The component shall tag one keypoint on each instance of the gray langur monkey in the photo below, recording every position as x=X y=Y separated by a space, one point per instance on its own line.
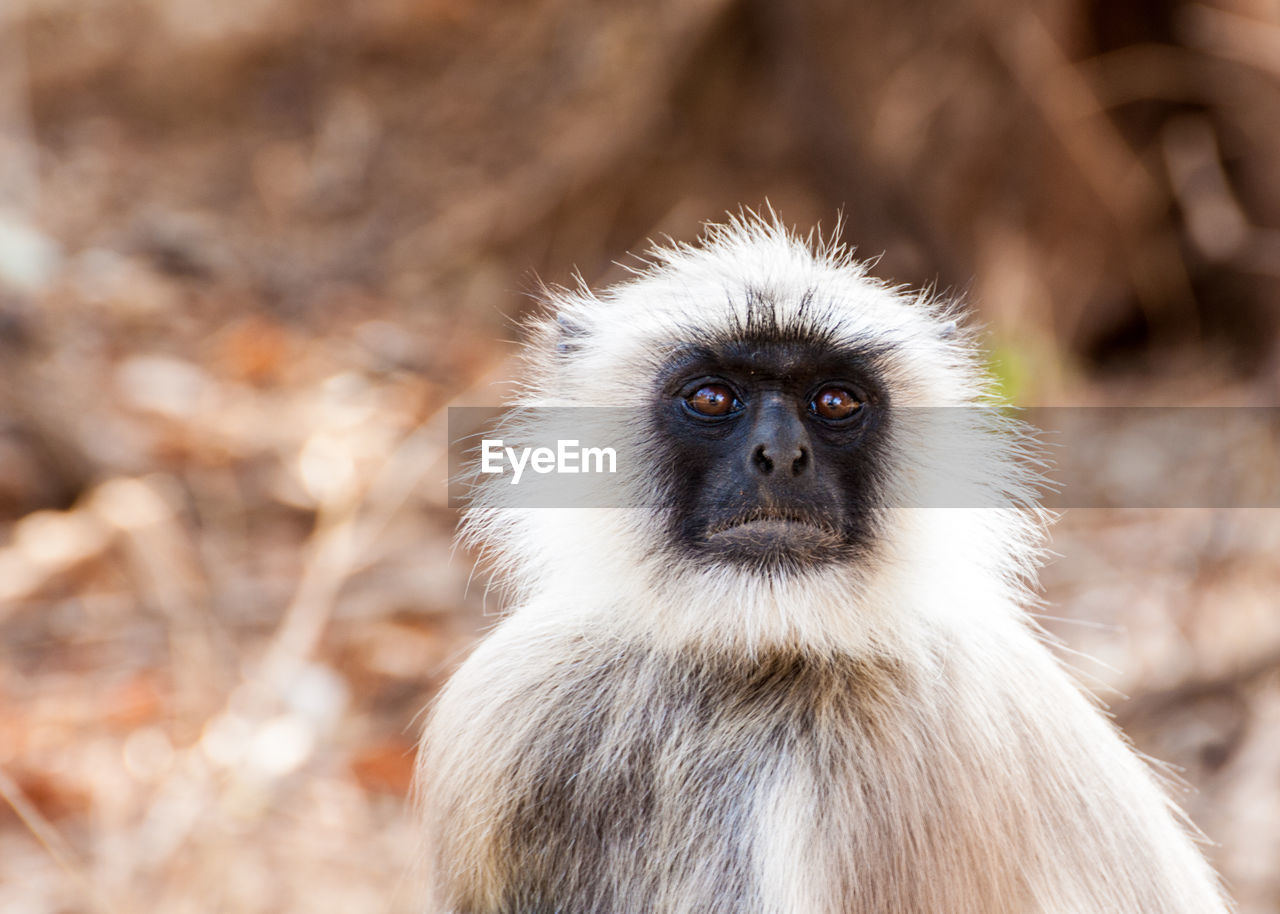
x=775 y=676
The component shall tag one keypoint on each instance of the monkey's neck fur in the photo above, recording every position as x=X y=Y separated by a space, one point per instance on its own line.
x=851 y=611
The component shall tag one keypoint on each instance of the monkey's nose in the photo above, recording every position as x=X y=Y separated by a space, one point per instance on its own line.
x=779 y=443
x=766 y=458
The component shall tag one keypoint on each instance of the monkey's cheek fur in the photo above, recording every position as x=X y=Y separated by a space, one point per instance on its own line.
x=772 y=540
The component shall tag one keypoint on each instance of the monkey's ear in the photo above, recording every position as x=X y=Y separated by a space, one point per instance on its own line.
x=568 y=335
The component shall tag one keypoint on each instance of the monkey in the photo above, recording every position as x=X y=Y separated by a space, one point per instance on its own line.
x=778 y=673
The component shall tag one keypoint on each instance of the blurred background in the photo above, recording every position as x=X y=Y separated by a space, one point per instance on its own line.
x=251 y=250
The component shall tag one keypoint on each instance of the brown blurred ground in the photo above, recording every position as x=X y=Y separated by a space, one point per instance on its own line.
x=250 y=250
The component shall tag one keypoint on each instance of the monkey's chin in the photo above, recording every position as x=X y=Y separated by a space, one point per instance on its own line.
x=774 y=542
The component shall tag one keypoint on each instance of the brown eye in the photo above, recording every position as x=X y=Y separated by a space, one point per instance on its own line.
x=835 y=403
x=712 y=400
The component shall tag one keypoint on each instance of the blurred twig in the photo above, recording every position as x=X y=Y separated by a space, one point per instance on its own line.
x=53 y=842
x=19 y=176
x=578 y=155
x=1244 y=39
x=1155 y=704
x=348 y=528
x=1119 y=180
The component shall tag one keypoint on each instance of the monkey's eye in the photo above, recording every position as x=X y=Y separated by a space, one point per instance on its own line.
x=713 y=400
x=835 y=403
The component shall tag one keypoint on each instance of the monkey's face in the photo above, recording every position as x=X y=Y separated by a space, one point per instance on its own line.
x=779 y=418
x=770 y=452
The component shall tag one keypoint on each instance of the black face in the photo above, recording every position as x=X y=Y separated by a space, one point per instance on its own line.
x=772 y=452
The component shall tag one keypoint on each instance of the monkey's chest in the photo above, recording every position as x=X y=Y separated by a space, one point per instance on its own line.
x=669 y=781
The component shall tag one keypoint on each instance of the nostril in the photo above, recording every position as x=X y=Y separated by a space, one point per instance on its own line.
x=801 y=463
x=763 y=462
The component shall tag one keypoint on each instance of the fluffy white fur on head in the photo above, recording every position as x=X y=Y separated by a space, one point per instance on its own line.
x=960 y=495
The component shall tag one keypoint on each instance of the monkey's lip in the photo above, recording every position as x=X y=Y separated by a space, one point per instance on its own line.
x=773 y=531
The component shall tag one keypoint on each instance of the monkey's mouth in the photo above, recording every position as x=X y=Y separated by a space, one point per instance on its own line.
x=771 y=531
